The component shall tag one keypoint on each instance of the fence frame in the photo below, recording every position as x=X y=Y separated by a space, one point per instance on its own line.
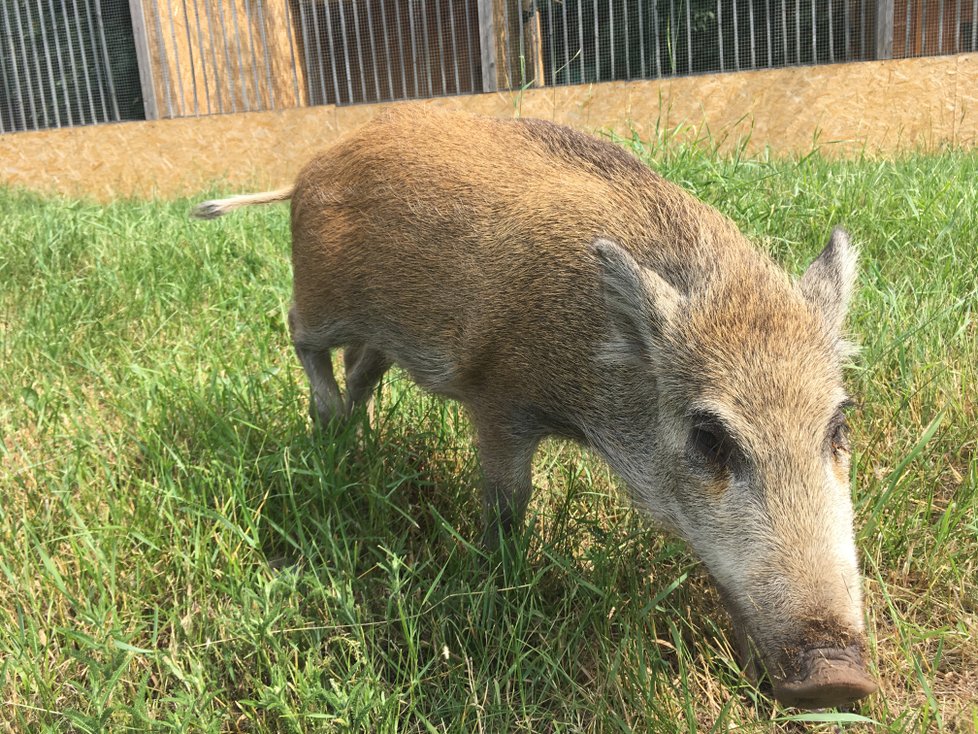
x=883 y=40
x=143 y=59
x=514 y=47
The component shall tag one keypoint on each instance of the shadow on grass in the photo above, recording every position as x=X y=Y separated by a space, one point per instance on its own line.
x=376 y=526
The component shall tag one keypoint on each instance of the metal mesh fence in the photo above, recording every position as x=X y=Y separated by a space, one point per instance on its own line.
x=71 y=62
x=592 y=41
x=395 y=49
x=66 y=62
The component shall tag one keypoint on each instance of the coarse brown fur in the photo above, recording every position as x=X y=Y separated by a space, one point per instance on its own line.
x=555 y=285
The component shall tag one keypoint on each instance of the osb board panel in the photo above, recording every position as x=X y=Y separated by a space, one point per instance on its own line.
x=167 y=157
x=965 y=109
x=873 y=107
x=878 y=107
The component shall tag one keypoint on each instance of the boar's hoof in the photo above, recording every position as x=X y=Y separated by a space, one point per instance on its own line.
x=831 y=681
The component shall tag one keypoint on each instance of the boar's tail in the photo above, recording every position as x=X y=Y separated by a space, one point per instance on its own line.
x=217 y=207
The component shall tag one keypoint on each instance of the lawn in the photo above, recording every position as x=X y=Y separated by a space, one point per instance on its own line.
x=180 y=552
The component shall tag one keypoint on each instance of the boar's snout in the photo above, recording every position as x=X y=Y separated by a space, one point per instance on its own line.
x=827 y=678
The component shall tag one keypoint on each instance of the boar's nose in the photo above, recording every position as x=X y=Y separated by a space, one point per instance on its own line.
x=829 y=678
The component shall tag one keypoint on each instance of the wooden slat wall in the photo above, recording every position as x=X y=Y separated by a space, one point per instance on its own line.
x=201 y=66
x=207 y=56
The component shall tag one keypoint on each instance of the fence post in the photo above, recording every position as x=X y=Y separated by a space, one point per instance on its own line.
x=883 y=40
x=487 y=45
x=533 y=42
x=143 y=59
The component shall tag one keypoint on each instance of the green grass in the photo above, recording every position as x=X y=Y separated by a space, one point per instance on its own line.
x=179 y=552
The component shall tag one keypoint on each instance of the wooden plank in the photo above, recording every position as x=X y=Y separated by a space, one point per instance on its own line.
x=506 y=20
x=487 y=45
x=143 y=59
x=214 y=66
x=884 y=30
x=533 y=42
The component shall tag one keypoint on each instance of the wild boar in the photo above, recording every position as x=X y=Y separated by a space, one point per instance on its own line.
x=556 y=286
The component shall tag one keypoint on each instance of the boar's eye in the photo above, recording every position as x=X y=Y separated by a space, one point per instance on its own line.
x=710 y=442
x=838 y=435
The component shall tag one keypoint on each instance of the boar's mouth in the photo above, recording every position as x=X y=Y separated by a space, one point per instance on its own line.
x=824 y=668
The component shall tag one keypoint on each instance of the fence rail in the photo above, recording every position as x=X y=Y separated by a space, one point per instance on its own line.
x=71 y=62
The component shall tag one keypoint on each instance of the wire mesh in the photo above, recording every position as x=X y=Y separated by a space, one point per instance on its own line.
x=66 y=62
x=603 y=40
x=74 y=62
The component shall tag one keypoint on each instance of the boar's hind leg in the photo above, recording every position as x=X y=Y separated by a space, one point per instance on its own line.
x=364 y=368
x=325 y=401
x=506 y=458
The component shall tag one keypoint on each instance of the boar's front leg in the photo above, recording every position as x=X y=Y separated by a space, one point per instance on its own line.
x=506 y=458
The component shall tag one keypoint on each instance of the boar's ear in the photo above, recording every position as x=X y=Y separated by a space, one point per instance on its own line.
x=640 y=303
x=830 y=279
